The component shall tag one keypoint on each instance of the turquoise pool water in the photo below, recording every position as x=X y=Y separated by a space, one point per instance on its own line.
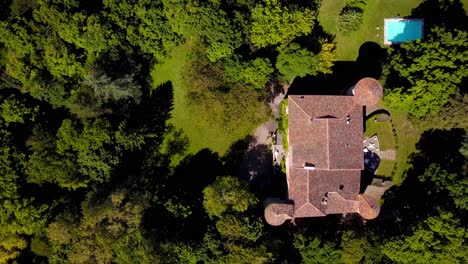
x=400 y=30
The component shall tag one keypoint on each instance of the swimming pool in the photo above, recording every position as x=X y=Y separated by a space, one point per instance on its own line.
x=399 y=30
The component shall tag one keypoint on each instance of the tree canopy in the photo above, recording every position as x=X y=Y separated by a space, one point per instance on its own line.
x=96 y=168
x=430 y=72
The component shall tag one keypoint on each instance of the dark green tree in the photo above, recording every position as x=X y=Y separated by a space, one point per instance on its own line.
x=439 y=239
x=422 y=76
x=274 y=24
x=317 y=251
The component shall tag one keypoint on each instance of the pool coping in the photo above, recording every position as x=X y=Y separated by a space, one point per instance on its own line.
x=386 y=42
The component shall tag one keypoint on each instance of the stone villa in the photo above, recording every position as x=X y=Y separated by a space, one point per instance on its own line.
x=325 y=157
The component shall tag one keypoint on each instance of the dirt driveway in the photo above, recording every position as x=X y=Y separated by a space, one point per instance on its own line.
x=258 y=163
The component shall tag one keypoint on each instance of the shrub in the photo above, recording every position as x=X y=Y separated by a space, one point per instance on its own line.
x=253 y=74
x=350 y=19
x=294 y=61
x=283 y=123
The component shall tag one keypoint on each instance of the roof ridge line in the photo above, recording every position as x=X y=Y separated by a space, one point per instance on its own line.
x=292 y=99
x=352 y=107
x=328 y=145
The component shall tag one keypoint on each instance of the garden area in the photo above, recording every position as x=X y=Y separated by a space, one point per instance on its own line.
x=201 y=130
x=369 y=29
x=383 y=130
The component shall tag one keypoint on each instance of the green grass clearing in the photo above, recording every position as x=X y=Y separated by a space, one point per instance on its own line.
x=383 y=131
x=385 y=168
x=201 y=133
x=386 y=141
x=406 y=138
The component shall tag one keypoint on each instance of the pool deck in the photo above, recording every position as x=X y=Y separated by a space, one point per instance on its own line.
x=386 y=42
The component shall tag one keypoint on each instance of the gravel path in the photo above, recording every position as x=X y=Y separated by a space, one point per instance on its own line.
x=258 y=164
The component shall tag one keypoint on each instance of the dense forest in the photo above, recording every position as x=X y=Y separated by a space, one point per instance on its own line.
x=92 y=171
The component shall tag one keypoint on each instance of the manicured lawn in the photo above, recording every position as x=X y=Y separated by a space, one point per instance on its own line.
x=348 y=45
x=383 y=131
x=405 y=142
x=385 y=168
x=406 y=139
x=201 y=133
x=386 y=141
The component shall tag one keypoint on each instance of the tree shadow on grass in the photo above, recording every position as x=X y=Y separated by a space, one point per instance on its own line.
x=446 y=13
x=414 y=200
x=313 y=41
x=345 y=73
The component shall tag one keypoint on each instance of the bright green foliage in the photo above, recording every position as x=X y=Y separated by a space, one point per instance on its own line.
x=350 y=19
x=439 y=239
x=142 y=23
x=283 y=123
x=227 y=194
x=274 y=24
x=10 y=247
x=228 y=111
x=327 y=57
x=247 y=255
x=254 y=74
x=89 y=32
x=456 y=184
x=236 y=227
x=21 y=57
x=184 y=253
x=207 y=23
x=13 y=110
x=45 y=165
x=351 y=15
x=358 y=249
x=108 y=230
x=316 y=251
x=40 y=246
x=353 y=248
x=59 y=60
x=18 y=215
x=88 y=143
x=134 y=247
x=118 y=89
x=432 y=71
x=294 y=61
x=29 y=66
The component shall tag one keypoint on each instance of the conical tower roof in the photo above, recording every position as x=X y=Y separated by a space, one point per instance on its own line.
x=277 y=211
x=369 y=207
x=368 y=91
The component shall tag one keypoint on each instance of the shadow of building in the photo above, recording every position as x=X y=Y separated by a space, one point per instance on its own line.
x=345 y=73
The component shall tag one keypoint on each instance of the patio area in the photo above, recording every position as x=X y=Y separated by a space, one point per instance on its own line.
x=371 y=153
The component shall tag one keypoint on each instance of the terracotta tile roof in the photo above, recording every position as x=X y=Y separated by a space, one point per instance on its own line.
x=345 y=141
x=368 y=91
x=277 y=211
x=325 y=154
x=309 y=188
x=369 y=207
x=317 y=106
x=327 y=143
